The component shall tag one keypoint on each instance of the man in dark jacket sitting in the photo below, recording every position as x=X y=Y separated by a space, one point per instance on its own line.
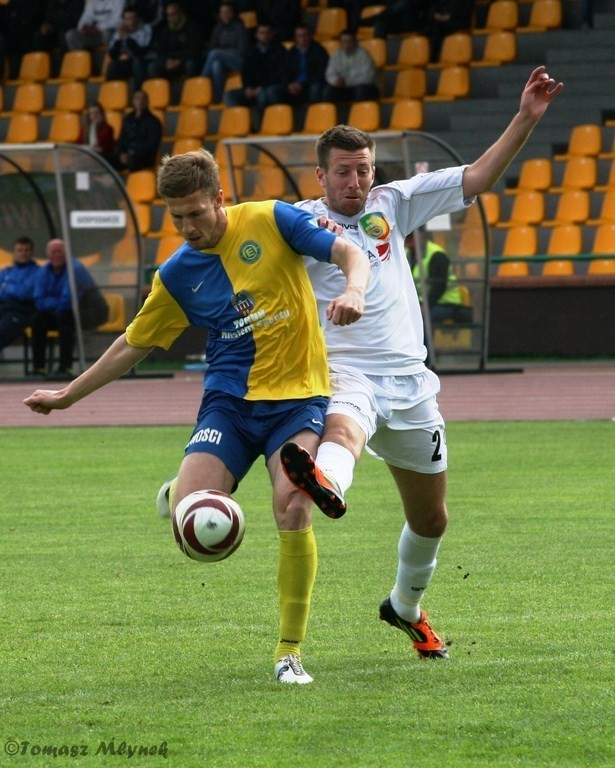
x=139 y=141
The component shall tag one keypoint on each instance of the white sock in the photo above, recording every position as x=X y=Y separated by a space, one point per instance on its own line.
x=417 y=562
x=338 y=462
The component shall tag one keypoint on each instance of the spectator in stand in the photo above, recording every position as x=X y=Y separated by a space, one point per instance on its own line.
x=97 y=25
x=304 y=71
x=151 y=11
x=445 y=18
x=401 y=16
x=228 y=46
x=54 y=308
x=262 y=68
x=61 y=16
x=283 y=15
x=353 y=10
x=128 y=49
x=351 y=72
x=139 y=140
x=20 y=24
x=17 y=291
x=177 y=46
x=98 y=134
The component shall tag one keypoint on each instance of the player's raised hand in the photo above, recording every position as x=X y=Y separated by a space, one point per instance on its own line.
x=539 y=92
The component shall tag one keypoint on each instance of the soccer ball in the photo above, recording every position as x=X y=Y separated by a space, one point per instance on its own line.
x=208 y=525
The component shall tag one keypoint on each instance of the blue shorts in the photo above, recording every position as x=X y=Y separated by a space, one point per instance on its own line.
x=239 y=431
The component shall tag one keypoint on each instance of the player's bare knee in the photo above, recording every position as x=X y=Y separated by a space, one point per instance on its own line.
x=430 y=523
x=295 y=514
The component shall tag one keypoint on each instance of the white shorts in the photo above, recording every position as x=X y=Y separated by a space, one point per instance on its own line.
x=399 y=415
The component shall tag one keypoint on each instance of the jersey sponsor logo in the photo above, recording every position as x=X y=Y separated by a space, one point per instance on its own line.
x=374 y=261
x=250 y=251
x=384 y=251
x=257 y=319
x=375 y=225
x=209 y=435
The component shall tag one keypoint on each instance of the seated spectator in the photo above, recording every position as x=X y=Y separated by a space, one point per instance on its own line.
x=304 y=71
x=61 y=15
x=17 y=291
x=351 y=72
x=98 y=134
x=20 y=23
x=151 y=11
x=128 y=48
x=97 y=25
x=262 y=68
x=54 y=308
x=177 y=46
x=283 y=15
x=227 y=49
x=139 y=140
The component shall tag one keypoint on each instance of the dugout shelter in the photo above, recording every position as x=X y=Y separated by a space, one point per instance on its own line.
x=68 y=191
x=258 y=168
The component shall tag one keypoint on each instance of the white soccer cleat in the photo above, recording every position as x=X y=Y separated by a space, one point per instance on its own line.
x=290 y=670
x=162 y=500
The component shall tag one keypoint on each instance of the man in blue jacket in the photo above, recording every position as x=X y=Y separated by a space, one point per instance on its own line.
x=17 y=291
x=54 y=308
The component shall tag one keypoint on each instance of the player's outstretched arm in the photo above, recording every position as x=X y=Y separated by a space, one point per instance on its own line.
x=539 y=92
x=348 y=307
x=117 y=360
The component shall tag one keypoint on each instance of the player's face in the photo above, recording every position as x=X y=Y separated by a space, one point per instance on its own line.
x=347 y=180
x=198 y=218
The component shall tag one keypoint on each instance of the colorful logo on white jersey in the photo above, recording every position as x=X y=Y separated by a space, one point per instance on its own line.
x=375 y=225
x=249 y=252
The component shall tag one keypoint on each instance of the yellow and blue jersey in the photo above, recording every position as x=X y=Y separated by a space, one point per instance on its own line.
x=252 y=292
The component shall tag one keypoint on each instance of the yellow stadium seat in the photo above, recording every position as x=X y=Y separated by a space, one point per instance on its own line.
x=22 y=128
x=536 y=174
x=558 y=268
x=513 y=269
x=330 y=23
x=65 y=128
x=579 y=173
x=500 y=48
x=71 y=97
x=141 y=186
x=406 y=115
x=195 y=92
x=544 y=15
x=453 y=83
x=191 y=123
x=377 y=49
x=277 y=120
x=158 y=90
x=585 y=140
x=604 y=240
x=76 y=65
x=167 y=246
x=520 y=241
x=565 y=240
x=307 y=182
x=185 y=144
x=607 y=210
x=491 y=206
x=527 y=208
x=29 y=97
x=414 y=51
x=365 y=115
x=572 y=208
x=409 y=83
x=113 y=94
x=456 y=50
x=319 y=117
x=35 y=67
x=116 y=322
x=601 y=267
x=502 y=15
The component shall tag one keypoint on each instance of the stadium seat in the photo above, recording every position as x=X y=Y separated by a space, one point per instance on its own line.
x=158 y=90
x=377 y=49
x=520 y=241
x=606 y=214
x=502 y=15
x=166 y=226
x=191 y=123
x=453 y=83
x=527 y=208
x=115 y=119
x=75 y=65
x=604 y=240
x=113 y=94
x=406 y=115
x=330 y=23
x=29 y=97
x=565 y=240
x=307 y=182
x=491 y=207
x=601 y=267
x=71 y=97
x=366 y=31
x=609 y=182
x=365 y=115
x=65 y=128
x=544 y=15
x=143 y=212
x=558 y=268
x=572 y=208
x=536 y=174
x=579 y=173
x=141 y=186
x=167 y=246
x=414 y=51
x=195 y=92
x=185 y=144
x=35 y=67
x=22 y=129
x=585 y=140
x=500 y=48
x=319 y=117
x=116 y=322
x=456 y=50
x=268 y=183
x=513 y=269
x=277 y=120
x=409 y=83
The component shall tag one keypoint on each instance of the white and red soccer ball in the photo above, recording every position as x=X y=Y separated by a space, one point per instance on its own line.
x=208 y=525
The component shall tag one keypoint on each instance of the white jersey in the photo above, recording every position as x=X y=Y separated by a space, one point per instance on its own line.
x=388 y=339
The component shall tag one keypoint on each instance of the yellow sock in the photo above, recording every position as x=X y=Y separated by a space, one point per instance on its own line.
x=296 y=576
x=172 y=488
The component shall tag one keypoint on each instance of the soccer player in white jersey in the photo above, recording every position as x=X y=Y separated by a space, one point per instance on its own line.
x=383 y=394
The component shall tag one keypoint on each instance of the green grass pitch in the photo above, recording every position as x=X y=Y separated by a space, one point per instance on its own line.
x=112 y=640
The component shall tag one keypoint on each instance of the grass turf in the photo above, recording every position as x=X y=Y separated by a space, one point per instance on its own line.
x=111 y=635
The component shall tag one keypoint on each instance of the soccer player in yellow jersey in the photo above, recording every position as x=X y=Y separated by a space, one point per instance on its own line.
x=241 y=275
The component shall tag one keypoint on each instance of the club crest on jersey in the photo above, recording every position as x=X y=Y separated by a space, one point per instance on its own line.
x=375 y=225
x=249 y=252
x=243 y=302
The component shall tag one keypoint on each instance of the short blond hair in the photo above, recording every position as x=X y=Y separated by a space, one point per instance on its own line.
x=181 y=175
